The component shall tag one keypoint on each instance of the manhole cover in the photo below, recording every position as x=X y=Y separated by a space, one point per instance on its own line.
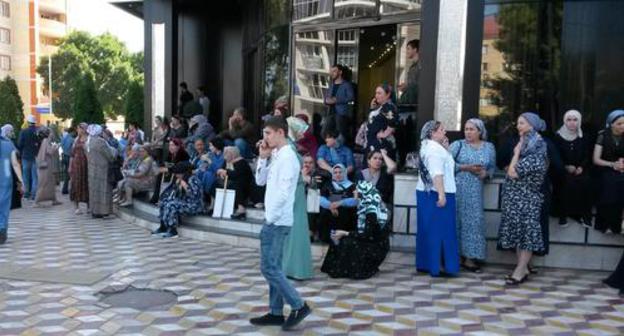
x=140 y=298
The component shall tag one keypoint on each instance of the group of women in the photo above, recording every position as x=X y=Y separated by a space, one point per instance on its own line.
x=451 y=227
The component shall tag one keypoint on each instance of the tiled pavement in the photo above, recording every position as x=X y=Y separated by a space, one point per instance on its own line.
x=220 y=287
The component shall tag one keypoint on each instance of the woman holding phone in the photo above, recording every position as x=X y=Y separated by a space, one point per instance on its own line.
x=475 y=160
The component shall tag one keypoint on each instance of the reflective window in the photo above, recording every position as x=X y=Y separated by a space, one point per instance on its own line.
x=276 y=64
x=396 y=6
x=408 y=67
x=550 y=56
x=347 y=53
x=311 y=10
x=355 y=8
x=313 y=57
x=276 y=13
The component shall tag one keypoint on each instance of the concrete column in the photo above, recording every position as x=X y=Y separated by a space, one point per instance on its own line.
x=450 y=62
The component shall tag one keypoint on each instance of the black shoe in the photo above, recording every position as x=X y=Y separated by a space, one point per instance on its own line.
x=587 y=221
x=171 y=233
x=563 y=222
x=97 y=216
x=296 y=316
x=3 y=236
x=239 y=216
x=161 y=229
x=267 y=320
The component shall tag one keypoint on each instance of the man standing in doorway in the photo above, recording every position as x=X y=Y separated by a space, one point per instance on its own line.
x=278 y=168
x=339 y=95
x=28 y=145
x=409 y=89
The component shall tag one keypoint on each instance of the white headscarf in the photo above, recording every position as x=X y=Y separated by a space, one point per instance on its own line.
x=94 y=130
x=6 y=130
x=565 y=132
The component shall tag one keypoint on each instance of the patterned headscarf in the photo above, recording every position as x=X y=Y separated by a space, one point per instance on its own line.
x=94 y=130
x=370 y=202
x=533 y=141
x=425 y=134
x=427 y=129
x=478 y=123
x=613 y=116
x=6 y=131
x=565 y=132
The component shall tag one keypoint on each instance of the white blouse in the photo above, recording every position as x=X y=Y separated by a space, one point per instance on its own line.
x=438 y=161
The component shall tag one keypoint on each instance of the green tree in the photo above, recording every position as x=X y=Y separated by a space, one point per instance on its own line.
x=11 y=105
x=133 y=106
x=104 y=56
x=86 y=106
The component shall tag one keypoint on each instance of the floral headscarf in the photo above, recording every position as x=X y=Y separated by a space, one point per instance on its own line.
x=370 y=202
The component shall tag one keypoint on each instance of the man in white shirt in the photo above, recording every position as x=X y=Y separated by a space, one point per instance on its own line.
x=278 y=168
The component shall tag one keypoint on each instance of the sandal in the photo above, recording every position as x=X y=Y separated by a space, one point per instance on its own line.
x=473 y=269
x=511 y=281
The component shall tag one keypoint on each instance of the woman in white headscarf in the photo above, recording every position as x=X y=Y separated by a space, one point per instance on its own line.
x=99 y=156
x=571 y=192
x=46 y=188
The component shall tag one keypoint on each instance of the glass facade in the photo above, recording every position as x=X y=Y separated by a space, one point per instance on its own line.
x=551 y=56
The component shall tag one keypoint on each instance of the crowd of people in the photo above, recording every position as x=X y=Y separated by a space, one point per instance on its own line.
x=185 y=160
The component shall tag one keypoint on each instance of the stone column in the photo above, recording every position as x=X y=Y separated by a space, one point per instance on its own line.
x=450 y=63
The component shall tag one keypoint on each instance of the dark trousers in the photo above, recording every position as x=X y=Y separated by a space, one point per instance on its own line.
x=65 y=163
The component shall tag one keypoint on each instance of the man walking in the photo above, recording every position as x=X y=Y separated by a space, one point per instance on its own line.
x=28 y=145
x=278 y=169
x=339 y=95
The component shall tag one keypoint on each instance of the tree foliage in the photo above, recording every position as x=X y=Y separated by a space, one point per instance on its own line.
x=105 y=57
x=133 y=107
x=11 y=105
x=86 y=106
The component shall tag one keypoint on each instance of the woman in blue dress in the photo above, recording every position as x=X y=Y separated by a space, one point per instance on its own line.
x=475 y=160
x=8 y=161
x=436 y=236
x=523 y=197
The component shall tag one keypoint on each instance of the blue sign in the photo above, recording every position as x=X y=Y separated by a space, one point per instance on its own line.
x=42 y=110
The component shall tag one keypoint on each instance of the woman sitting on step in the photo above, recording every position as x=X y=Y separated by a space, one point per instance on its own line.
x=182 y=198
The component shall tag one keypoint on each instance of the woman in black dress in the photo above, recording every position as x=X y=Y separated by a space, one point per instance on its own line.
x=571 y=192
x=337 y=204
x=240 y=179
x=609 y=157
x=357 y=254
x=382 y=122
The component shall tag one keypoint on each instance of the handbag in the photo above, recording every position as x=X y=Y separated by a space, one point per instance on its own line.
x=224 y=201
x=313 y=200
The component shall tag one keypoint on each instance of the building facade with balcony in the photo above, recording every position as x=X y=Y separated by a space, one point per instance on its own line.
x=29 y=30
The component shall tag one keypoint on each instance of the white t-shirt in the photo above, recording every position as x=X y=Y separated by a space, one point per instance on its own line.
x=438 y=161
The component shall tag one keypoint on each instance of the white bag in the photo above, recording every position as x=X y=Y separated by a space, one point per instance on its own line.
x=224 y=202
x=314 y=200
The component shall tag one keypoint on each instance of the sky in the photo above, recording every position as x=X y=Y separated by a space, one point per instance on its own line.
x=98 y=17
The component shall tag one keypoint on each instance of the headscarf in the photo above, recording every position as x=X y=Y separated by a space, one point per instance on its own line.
x=296 y=128
x=534 y=120
x=197 y=120
x=370 y=202
x=94 y=130
x=427 y=130
x=565 y=132
x=6 y=130
x=344 y=183
x=480 y=125
x=613 y=116
x=533 y=141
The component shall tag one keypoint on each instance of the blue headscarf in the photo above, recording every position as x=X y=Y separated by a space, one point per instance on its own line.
x=533 y=141
x=344 y=183
x=613 y=116
x=478 y=123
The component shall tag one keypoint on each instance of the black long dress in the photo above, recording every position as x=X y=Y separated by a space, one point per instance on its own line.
x=358 y=255
x=610 y=202
x=616 y=279
x=572 y=193
x=347 y=217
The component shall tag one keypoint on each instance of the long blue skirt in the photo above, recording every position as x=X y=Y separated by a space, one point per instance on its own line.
x=436 y=238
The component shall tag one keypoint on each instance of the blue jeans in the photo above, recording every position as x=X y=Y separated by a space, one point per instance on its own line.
x=272 y=239
x=29 y=172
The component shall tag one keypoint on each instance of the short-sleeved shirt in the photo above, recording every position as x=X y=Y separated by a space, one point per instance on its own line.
x=612 y=146
x=336 y=155
x=438 y=161
x=6 y=148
